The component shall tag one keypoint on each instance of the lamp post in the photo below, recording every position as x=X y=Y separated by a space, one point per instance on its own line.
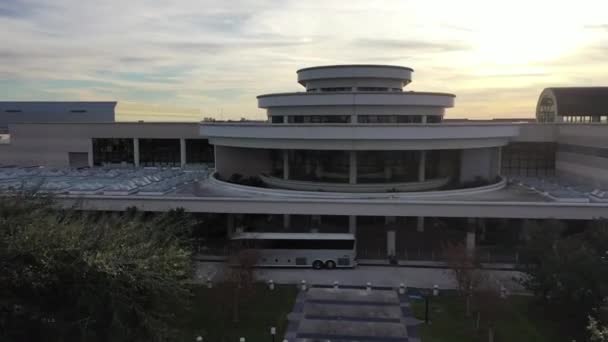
x=428 y=294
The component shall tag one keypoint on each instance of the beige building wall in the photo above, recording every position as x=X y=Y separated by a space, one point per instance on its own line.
x=51 y=144
x=589 y=160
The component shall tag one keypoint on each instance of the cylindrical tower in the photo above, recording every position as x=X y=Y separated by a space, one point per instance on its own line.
x=356 y=94
x=356 y=130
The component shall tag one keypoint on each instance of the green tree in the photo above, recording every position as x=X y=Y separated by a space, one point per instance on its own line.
x=597 y=333
x=568 y=271
x=74 y=276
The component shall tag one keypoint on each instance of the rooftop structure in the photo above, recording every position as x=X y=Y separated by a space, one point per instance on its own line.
x=13 y=112
x=573 y=104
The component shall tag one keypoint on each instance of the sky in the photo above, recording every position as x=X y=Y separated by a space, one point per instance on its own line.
x=183 y=60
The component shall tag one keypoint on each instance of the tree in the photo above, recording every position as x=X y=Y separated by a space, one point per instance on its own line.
x=239 y=278
x=489 y=305
x=568 y=271
x=597 y=333
x=70 y=275
x=465 y=271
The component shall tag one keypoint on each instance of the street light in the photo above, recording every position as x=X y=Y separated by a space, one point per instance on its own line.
x=427 y=294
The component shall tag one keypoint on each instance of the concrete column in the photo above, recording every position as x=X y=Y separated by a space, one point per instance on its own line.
x=318 y=170
x=353 y=119
x=424 y=119
x=229 y=225
x=352 y=168
x=136 y=152
x=352 y=224
x=390 y=242
x=499 y=161
x=388 y=172
x=420 y=224
x=422 y=167
x=285 y=119
x=286 y=221
x=470 y=238
x=316 y=220
x=182 y=152
x=90 y=155
x=285 y=164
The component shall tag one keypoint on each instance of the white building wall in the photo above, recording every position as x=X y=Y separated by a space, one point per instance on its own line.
x=354 y=82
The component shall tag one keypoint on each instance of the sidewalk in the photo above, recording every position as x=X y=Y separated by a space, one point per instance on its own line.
x=387 y=276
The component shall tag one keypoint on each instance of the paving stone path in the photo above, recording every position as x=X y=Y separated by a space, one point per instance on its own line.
x=351 y=313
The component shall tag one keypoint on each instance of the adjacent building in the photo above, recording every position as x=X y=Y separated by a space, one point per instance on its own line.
x=356 y=151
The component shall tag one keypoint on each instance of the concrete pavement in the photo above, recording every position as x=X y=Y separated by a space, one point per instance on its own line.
x=385 y=276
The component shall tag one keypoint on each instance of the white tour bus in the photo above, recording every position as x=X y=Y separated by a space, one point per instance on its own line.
x=316 y=250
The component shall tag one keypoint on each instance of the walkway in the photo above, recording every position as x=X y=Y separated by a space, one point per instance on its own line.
x=352 y=314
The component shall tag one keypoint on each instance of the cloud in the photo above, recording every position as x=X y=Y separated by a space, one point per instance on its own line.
x=215 y=55
x=416 y=46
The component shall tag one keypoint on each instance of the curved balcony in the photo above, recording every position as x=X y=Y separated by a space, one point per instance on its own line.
x=359 y=136
x=356 y=99
x=275 y=182
x=290 y=194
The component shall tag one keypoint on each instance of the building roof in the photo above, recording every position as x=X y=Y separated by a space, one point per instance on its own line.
x=581 y=100
x=356 y=66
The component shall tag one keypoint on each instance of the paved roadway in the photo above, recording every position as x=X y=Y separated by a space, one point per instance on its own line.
x=377 y=275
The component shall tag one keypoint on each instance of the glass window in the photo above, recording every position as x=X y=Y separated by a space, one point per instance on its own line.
x=114 y=151
x=159 y=152
x=199 y=151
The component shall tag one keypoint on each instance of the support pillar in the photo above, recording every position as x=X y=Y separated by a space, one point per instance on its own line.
x=136 y=152
x=390 y=242
x=90 y=155
x=286 y=221
x=420 y=224
x=352 y=224
x=499 y=161
x=318 y=170
x=285 y=119
x=352 y=168
x=285 y=164
x=422 y=167
x=353 y=119
x=388 y=171
x=182 y=152
x=423 y=119
x=470 y=238
x=229 y=225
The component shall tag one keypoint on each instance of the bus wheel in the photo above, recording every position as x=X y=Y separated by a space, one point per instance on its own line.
x=330 y=264
x=317 y=264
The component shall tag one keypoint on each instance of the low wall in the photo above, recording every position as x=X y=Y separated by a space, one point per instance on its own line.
x=252 y=190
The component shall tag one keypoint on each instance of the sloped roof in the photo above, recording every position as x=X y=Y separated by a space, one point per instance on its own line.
x=581 y=100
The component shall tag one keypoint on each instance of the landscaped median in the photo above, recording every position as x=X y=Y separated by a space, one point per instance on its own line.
x=211 y=314
x=517 y=318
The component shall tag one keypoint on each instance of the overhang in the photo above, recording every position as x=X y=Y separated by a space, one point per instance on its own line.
x=359 y=136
